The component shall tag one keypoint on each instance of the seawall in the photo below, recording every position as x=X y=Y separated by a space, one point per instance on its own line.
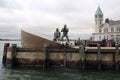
x=81 y=57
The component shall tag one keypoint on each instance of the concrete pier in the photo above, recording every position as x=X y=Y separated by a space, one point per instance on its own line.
x=81 y=57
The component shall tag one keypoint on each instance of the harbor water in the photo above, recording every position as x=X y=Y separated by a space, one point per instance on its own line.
x=52 y=74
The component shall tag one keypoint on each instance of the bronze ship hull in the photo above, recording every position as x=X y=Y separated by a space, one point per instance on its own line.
x=32 y=41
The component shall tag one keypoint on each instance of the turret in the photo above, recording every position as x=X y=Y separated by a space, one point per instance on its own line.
x=98 y=19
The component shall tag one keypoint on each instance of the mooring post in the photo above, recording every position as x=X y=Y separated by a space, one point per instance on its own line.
x=65 y=57
x=116 y=57
x=82 y=57
x=14 y=61
x=6 y=45
x=99 y=57
x=80 y=61
x=46 y=52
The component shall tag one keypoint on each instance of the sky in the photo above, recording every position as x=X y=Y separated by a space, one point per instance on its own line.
x=42 y=17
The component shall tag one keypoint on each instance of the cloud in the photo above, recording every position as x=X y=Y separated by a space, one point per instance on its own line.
x=44 y=16
x=11 y=4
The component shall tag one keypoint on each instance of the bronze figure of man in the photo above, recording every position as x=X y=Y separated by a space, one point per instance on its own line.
x=57 y=35
x=65 y=31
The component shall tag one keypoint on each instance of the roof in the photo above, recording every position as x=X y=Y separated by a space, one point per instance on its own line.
x=112 y=22
x=99 y=11
x=102 y=25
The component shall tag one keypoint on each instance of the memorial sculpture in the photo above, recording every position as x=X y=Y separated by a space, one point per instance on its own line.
x=65 y=31
x=57 y=35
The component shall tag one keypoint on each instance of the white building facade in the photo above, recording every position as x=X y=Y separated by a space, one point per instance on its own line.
x=109 y=29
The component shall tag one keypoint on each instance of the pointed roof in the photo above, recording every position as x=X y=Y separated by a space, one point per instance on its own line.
x=99 y=11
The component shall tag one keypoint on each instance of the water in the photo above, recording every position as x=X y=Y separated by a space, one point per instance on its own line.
x=39 y=74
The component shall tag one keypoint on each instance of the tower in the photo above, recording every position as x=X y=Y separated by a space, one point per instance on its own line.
x=98 y=19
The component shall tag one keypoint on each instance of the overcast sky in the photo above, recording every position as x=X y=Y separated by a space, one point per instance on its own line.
x=42 y=17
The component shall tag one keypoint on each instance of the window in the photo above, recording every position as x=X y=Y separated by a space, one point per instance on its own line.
x=118 y=29
x=105 y=29
x=93 y=38
x=104 y=37
x=118 y=38
x=95 y=16
x=99 y=37
x=112 y=29
x=100 y=16
x=100 y=30
x=112 y=37
x=100 y=22
x=107 y=37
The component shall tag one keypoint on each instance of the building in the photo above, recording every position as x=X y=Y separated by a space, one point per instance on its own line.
x=108 y=29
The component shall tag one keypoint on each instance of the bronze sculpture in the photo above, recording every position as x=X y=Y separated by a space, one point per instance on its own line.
x=65 y=31
x=57 y=35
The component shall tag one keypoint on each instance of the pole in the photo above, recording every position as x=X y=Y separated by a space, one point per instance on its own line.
x=82 y=57
x=116 y=57
x=65 y=57
x=6 y=45
x=14 y=61
x=99 y=57
x=46 y=52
